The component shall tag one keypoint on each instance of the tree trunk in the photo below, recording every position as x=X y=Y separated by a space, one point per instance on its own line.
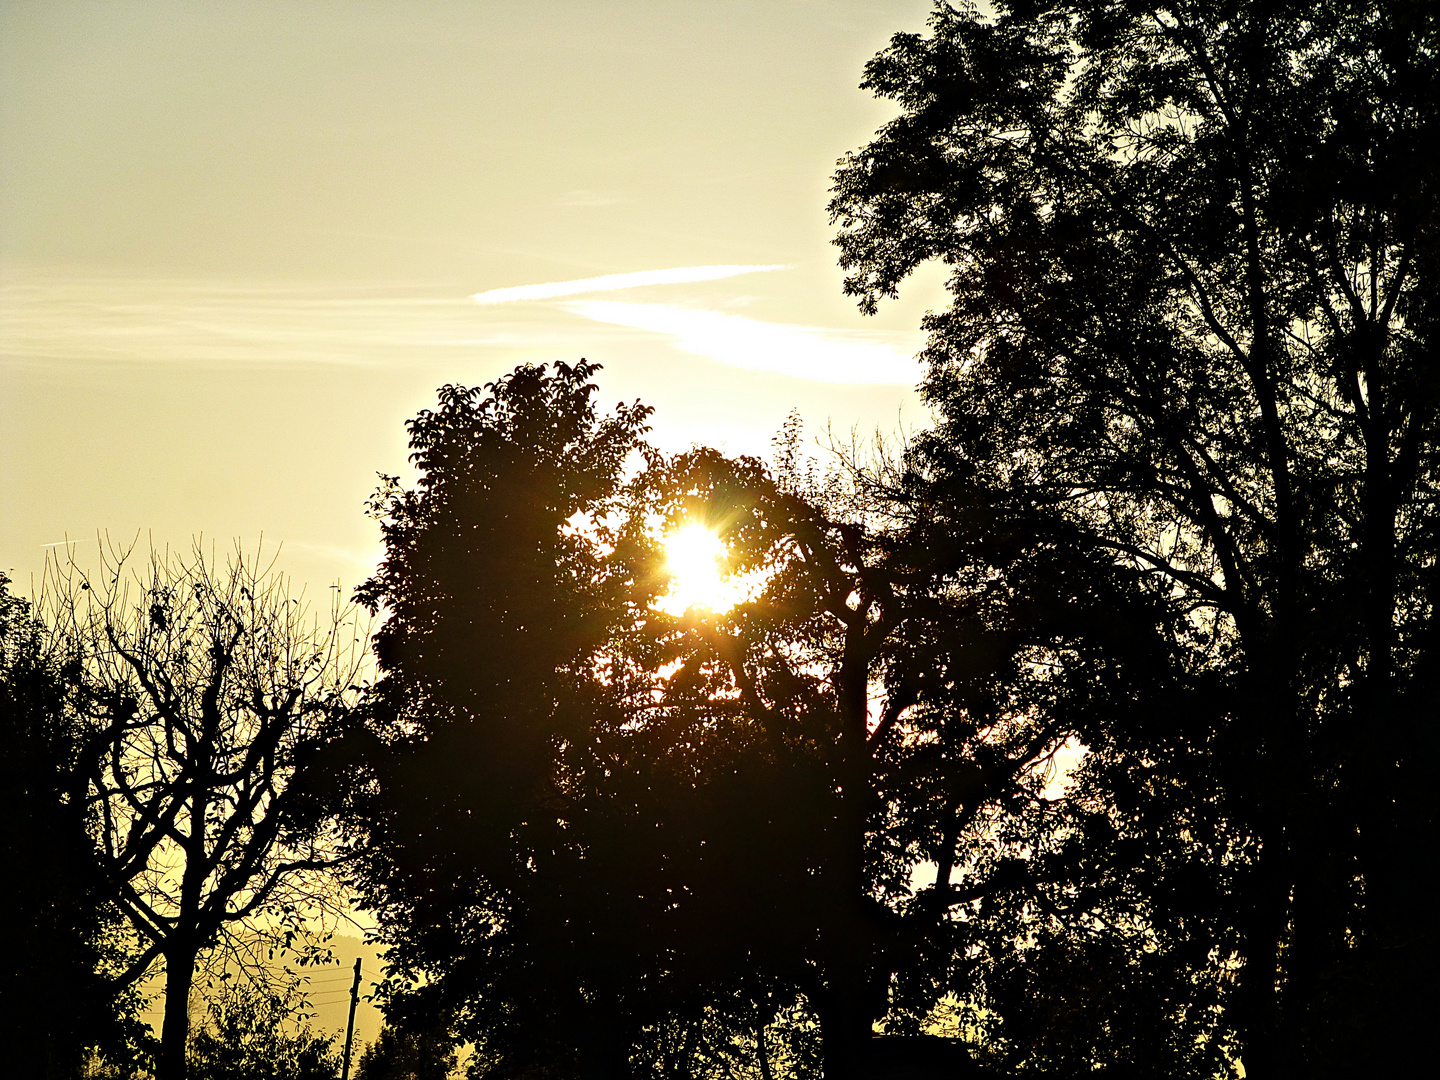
x=843 y=1031
x=763 y=1054
x=175 y=1034
x=1265 y=918
x=847 y=1019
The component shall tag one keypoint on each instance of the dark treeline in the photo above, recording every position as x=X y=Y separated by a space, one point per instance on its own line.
x=1175 y=525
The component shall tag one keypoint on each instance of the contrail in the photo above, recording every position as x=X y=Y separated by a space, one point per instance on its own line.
x=675 y=276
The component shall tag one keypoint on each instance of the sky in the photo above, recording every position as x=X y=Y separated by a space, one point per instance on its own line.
x=242 y=242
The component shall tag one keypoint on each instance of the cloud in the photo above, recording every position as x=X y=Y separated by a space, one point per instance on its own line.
x=678 y=275
x=801 y=352
x=50 y=318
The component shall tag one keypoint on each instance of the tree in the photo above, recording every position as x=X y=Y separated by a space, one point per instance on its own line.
x=245 y=1037
x=619 y=839
x=535 y=830
x=902 y=692
x=1193 y=254
x=206 y=690
x=401 y=1054
x=505 y=573
x=57 y=998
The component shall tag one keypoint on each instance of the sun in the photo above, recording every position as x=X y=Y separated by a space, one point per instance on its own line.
x=693 y=556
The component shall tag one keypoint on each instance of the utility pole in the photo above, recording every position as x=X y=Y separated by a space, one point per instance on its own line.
x=350 y=1027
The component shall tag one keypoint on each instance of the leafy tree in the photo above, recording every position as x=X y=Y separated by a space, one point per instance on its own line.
x=249 y=1033
x=206 y=689
x=505 y=573
x=618 y=839
x=535 y=836
x=1192 y=254
x=406 y=1054
x=57 y=998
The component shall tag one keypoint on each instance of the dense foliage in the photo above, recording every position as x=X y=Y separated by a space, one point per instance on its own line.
x=250 y=1032
x=487 y=723
x=618 y=837
x=59 y=1000
x=565 y=827
x=400 y=1054
x=1192 y=254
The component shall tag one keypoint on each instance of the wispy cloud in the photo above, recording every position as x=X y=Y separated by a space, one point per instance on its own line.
x=678 y=275
x=802 y=352
x=50 y=319
x=55 y=318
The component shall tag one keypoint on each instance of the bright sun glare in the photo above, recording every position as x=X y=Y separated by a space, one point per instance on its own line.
x=692 y=558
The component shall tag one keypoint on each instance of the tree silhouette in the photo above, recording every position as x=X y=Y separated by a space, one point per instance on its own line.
x=507 y=570
x=205 y=690
x=913 y=664
x=616 y=839
x=250 y=1031
x=398 y=1054
x=575 y=833
x=57 y=997
x=1192 y=255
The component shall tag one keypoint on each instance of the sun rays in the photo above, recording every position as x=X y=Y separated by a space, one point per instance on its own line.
x=695 y=561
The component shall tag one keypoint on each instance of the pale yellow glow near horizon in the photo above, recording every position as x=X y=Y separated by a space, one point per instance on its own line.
x=678 y=275
x=693 y=557
x=801 y=352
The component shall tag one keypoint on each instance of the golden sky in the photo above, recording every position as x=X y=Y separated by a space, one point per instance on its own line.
x=242 y=242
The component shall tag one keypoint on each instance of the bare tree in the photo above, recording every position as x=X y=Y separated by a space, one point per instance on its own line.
x=209 y=687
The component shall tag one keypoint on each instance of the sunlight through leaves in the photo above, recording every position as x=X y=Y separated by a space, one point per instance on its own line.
x=694 y=559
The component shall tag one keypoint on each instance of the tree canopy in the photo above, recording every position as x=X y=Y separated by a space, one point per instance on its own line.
x=574 y=822
x=204 y=691
x=505 y=576
x=59 y=997
x=1192 y=256
x=249 y=1032
x=687 y=841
